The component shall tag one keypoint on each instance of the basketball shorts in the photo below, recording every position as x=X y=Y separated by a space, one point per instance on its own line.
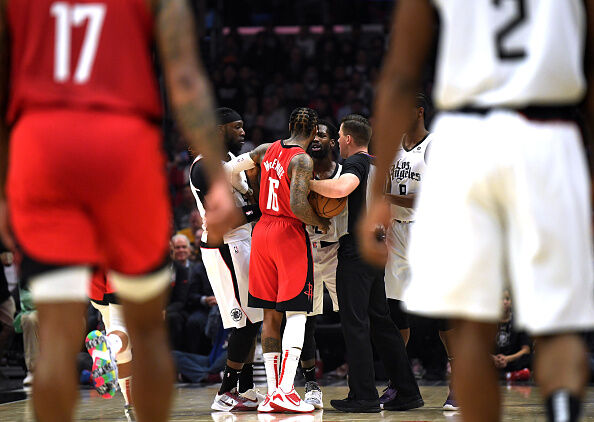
x=281 y=266
x=325 y=260
x=88 y=188
x=228 y=269
x=505 y=203
x=397 y=274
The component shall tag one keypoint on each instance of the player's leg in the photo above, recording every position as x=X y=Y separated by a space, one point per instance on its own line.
x=472 y=344
x=445 y=335
x=60 y=297
x=152 y=366
x=295 y=298
x=562 y=372
x=549 y=299
x=136 y=258
x=119 y=340
x=313 y=392
x=271 y=347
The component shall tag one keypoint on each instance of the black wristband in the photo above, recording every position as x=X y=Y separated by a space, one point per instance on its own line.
x=252 y=212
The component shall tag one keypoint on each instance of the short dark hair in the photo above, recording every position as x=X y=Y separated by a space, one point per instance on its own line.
x=421 y=101
x=358 y=127
x=303 y=121
x=332 y=132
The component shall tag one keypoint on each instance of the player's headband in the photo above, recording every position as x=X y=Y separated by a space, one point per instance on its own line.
x=227 y=115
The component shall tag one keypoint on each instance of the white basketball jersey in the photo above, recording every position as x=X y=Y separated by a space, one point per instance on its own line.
x=510 y=53
x=338 y=225
x=238 y=233
x=406 y=174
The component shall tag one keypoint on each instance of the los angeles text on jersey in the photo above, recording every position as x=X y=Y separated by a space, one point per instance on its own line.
x=402 y=170
x=275 y=165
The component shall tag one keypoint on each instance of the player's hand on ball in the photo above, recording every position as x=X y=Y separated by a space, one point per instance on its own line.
x=325 y=226
x=373 y=246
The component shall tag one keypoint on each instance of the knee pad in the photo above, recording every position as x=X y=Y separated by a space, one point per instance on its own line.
x=125 y=355
x=294 y=331
x=241 y=341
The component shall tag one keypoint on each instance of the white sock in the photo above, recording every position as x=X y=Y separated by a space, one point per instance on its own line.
x=115 y=343
x=292 y=344
x=271 y=366
x=289 y=368
x=125 y=386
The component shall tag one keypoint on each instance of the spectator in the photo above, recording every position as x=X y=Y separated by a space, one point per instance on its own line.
x=26 y=322
x=7 y=305
x=512 y=349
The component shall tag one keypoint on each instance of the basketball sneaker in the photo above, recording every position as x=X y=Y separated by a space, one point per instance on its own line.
x=388 y=395
x=313 y=395
x=450 y=403
x=289 y=402
x=105 y=371
x=265 y=406
x=253 y=396
x=129 y=413
x=232 y=401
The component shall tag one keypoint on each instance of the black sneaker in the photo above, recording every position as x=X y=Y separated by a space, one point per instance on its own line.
x=356 y=406
x=404 y=403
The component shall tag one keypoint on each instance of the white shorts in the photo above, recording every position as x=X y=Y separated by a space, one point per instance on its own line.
x=228 y=269
x=397 y=274
x=505 y=203
x=325 y=260
x=113 y=317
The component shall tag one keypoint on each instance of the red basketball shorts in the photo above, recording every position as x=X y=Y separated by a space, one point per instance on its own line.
x=88 y=188
x=281 y=266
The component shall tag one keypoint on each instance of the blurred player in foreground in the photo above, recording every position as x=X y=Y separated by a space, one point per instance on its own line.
x=85 y=174
x=506 y=198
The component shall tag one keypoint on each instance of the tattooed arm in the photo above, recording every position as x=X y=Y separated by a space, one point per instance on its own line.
x=186 y=81
x=301 y=170
x=5 y=234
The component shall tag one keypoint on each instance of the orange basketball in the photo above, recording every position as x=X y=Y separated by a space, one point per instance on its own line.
x=326 y=207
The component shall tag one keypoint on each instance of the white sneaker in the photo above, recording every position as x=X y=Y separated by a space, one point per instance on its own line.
x=289 y=402
x=231 y=401
x=28 y=381
x=313 y=395
x=254 y=396
x=265 y=406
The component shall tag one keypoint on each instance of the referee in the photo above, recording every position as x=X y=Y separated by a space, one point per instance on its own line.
x=361 y=292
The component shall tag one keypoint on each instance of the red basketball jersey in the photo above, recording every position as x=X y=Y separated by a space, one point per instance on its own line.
x=275 y=183
x=83 y=54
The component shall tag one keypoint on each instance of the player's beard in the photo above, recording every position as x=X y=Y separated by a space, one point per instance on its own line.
x=232 y=146
x=322 y=153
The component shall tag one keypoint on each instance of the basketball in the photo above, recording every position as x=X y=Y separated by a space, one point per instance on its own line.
x=326 y=207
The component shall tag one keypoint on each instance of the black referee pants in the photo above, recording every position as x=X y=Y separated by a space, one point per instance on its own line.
x=365 y=317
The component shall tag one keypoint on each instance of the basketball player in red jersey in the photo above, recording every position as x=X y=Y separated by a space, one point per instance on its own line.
x=281 y=265
x=85 y=175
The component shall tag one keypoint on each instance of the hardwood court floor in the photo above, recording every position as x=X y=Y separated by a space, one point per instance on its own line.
x=521 y=403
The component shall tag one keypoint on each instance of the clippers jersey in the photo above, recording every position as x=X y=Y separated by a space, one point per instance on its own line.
x=275 y=184
x=338 y=224
x=509 y=53
x=406 y=175
x=238 y=233
x=89 y=55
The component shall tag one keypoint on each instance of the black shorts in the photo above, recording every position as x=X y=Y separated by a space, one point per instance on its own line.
x=398 y=315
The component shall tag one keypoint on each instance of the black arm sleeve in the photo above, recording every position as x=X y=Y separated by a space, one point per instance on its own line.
x=200 y=179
